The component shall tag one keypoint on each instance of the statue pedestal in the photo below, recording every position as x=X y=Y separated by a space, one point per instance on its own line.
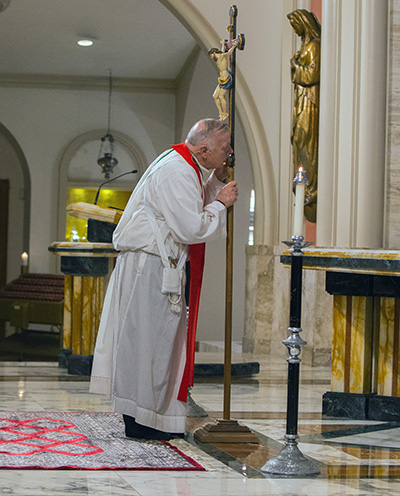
x=87 y=267
x=365 y=373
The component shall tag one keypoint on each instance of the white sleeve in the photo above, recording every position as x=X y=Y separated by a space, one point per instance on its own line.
x=177 y=195
x=212 y=187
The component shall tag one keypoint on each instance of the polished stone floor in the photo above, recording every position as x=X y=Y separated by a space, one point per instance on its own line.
x=354 y=457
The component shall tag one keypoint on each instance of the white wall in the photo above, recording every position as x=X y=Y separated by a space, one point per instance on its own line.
x=44 y=122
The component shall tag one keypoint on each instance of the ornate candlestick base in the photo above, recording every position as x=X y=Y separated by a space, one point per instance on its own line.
x=290 y=461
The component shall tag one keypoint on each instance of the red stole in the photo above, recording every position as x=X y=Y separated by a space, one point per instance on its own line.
x=196 y=253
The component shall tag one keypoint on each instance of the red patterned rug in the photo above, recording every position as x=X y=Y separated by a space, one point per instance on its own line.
x=81 y=440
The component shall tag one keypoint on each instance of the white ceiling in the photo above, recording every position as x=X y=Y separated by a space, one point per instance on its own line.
x=135 y=38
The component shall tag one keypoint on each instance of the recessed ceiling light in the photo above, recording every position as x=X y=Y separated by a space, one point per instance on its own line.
x=85 y=42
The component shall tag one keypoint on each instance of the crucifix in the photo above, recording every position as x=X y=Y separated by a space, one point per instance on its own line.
x=226 y=62
x=225 y=430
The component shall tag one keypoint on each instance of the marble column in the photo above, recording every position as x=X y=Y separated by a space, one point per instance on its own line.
x=352 y=124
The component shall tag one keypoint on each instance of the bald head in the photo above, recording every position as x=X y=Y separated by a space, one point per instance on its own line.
x=209 y=141
x=204 y=131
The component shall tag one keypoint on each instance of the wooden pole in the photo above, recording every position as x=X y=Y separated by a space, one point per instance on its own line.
x=226 y=430
x=229 y=239
x=228 y=311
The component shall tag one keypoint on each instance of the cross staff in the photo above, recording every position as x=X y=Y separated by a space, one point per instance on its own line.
x=225 y=430
x=234 y=42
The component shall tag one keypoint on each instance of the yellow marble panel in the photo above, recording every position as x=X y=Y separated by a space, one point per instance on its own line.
x=76 y=315
x=360 y=347
x=366 y=453
x=343 y=471
x=67 y=326
x=385 y=356
x=83 y=303
x=353 y=253
x=352 y=344
x=338 y=343
x=98 y=308
x=93 y=319
x=396 y=392
x=88 y=295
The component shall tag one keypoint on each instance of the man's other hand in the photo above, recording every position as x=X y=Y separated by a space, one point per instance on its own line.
x=229 y=194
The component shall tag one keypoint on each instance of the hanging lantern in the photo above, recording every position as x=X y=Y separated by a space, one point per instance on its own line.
x=106 y=158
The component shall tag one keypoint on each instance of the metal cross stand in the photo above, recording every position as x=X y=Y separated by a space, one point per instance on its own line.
x=291 y=461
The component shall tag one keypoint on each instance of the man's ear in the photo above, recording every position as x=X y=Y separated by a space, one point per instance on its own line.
x=203 y=150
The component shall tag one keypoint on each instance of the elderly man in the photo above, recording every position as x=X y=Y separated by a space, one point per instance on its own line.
x=144 y=356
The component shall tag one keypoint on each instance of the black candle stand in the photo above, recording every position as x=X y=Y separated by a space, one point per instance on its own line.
x=291 y=461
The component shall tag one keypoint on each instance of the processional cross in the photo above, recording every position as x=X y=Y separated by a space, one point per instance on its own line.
x=226 y=62
x=224 y=430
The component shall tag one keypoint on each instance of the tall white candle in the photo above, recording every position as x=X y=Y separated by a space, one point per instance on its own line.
x=24 y=258
x=300 y=182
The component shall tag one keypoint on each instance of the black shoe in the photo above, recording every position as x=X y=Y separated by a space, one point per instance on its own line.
x=139 y=431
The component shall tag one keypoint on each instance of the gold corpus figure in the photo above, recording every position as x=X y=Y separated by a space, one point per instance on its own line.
x=305 y=69
x=225 y=77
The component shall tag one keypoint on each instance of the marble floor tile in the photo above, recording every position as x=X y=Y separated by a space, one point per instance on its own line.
x=56 y=483
x=165 y=484
x=385 y=486
x=389 y=438
x=363 y=462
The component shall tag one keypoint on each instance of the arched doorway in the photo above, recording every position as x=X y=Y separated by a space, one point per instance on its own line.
x=15 y=211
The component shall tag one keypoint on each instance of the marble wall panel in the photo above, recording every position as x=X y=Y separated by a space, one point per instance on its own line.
x=385 y=346
x=99 y=300
x=259 y=299
x=352 y=344
x=317 y=315
x=267 y=307
x=88 y=314
x=67 y=325
x=360 y=345
x=339 y=346
x=76 y=314
x=393 y=132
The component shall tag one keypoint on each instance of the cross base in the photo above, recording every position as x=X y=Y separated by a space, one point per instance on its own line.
x=225 y=431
